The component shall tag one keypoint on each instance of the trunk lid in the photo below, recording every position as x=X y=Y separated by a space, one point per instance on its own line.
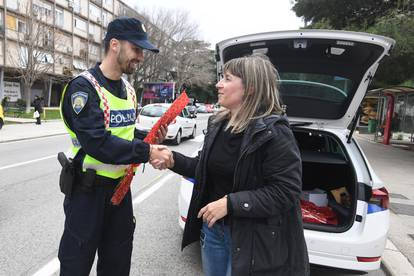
x=324 y=74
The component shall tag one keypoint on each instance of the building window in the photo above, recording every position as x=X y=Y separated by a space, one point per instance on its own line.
x=94 y=13
x=105 y=19
x=108 y=3
x=1 y=23
x=47 y=39
x=42 y=57
x=21 y=26
x=59 y=17
x=12 y=4
x=80 y=24
x=11 y=22
x=76 y=5
x=42 y=9
x=93 y=49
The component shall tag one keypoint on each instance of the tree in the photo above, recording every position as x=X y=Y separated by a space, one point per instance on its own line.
x=32 y=57
x=399 y=67
x=182 y=58
x=392 y=18
x=340 y=14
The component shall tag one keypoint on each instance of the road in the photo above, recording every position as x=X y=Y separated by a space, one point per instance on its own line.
x=31 y=214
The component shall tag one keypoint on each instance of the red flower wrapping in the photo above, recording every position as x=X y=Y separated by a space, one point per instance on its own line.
x=175 y=109
x=315 y=214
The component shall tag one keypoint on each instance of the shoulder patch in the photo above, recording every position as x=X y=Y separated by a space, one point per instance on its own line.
x=79 y=100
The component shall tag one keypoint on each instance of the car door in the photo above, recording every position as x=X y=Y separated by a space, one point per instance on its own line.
x=187 y=123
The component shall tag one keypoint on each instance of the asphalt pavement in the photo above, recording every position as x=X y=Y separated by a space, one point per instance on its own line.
x=394 y=165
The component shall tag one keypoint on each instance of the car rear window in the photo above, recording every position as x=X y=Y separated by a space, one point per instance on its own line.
x=317 y=86
x=153 y=111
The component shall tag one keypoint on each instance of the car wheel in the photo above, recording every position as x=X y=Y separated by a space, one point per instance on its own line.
x=177 y=139
x=194 y=132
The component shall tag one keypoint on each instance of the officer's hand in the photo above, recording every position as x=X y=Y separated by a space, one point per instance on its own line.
x=162 y=132
x=161 y=157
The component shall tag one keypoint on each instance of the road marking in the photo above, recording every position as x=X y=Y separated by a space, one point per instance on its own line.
x=141 y=197
x=199 y=138
x=28 y=162
x=49 y=268
x=53 y=266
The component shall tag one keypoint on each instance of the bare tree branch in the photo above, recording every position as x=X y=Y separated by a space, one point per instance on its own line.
x=34 y=47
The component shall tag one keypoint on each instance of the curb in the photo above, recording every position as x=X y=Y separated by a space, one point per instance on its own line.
x=394 y=262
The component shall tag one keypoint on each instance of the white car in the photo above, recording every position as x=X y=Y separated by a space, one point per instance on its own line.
x=324 y=77
x=182 y=126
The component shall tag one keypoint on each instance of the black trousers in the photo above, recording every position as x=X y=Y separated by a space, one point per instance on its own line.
x=93 y=224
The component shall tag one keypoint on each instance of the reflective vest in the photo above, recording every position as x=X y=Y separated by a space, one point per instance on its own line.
x=119 y=118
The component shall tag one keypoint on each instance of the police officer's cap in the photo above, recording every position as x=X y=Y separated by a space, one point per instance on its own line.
x=130 y=29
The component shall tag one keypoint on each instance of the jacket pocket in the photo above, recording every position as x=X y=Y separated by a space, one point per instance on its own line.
x=270 y=249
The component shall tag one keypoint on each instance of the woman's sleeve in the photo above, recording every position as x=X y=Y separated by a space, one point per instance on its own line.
x=184 y=165
x=281 y=183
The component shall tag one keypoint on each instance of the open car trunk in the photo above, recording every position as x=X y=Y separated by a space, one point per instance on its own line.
x=329 y=183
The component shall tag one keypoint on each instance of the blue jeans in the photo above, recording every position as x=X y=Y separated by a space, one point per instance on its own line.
x=216 y=249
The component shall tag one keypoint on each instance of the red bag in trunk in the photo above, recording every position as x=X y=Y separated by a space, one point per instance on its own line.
x=314 y=214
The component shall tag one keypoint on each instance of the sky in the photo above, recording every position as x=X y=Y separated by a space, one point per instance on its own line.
x=223 y=19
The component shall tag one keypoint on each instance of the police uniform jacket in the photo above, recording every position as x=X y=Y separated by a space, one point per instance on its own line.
x=88 y=123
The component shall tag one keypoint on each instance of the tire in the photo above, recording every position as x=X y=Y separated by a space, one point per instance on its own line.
x=194 y=132
x=177 y=139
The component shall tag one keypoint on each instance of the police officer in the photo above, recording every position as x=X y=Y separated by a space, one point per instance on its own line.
x=99 y=111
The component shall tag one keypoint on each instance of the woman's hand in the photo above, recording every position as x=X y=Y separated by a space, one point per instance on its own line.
x=214 y=211
x=161 y=157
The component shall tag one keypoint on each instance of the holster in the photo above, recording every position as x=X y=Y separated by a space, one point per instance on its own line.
x=67 y=174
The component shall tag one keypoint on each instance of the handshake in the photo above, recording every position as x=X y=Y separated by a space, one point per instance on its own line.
x=161 y=157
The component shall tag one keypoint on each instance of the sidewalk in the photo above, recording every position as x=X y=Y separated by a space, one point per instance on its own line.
x=24 y=129
x=395 y=166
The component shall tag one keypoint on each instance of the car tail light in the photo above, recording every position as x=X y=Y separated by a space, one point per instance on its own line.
x=379 y=201
x=192 y=180
x=368 y=259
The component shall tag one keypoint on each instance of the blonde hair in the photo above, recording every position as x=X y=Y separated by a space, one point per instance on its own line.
x=261 y=95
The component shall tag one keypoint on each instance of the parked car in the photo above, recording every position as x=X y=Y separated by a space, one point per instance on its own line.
x=182 y=126
x=192 y=110
x=324 y=77
x=202 y=109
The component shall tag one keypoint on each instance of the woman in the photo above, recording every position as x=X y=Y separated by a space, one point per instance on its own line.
x=245 y=204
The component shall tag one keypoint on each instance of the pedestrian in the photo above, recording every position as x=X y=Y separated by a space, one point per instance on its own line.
x=1 y=116
x=99 y=111
x=38 y=107
x=245 y=207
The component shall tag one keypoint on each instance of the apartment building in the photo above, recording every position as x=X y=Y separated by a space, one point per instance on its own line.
x=71 y=43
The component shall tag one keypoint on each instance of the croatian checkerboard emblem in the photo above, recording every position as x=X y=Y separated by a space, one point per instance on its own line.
x=79 y=100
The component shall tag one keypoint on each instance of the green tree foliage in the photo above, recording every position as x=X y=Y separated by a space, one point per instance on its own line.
x=392 y=18
x=399 y=67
